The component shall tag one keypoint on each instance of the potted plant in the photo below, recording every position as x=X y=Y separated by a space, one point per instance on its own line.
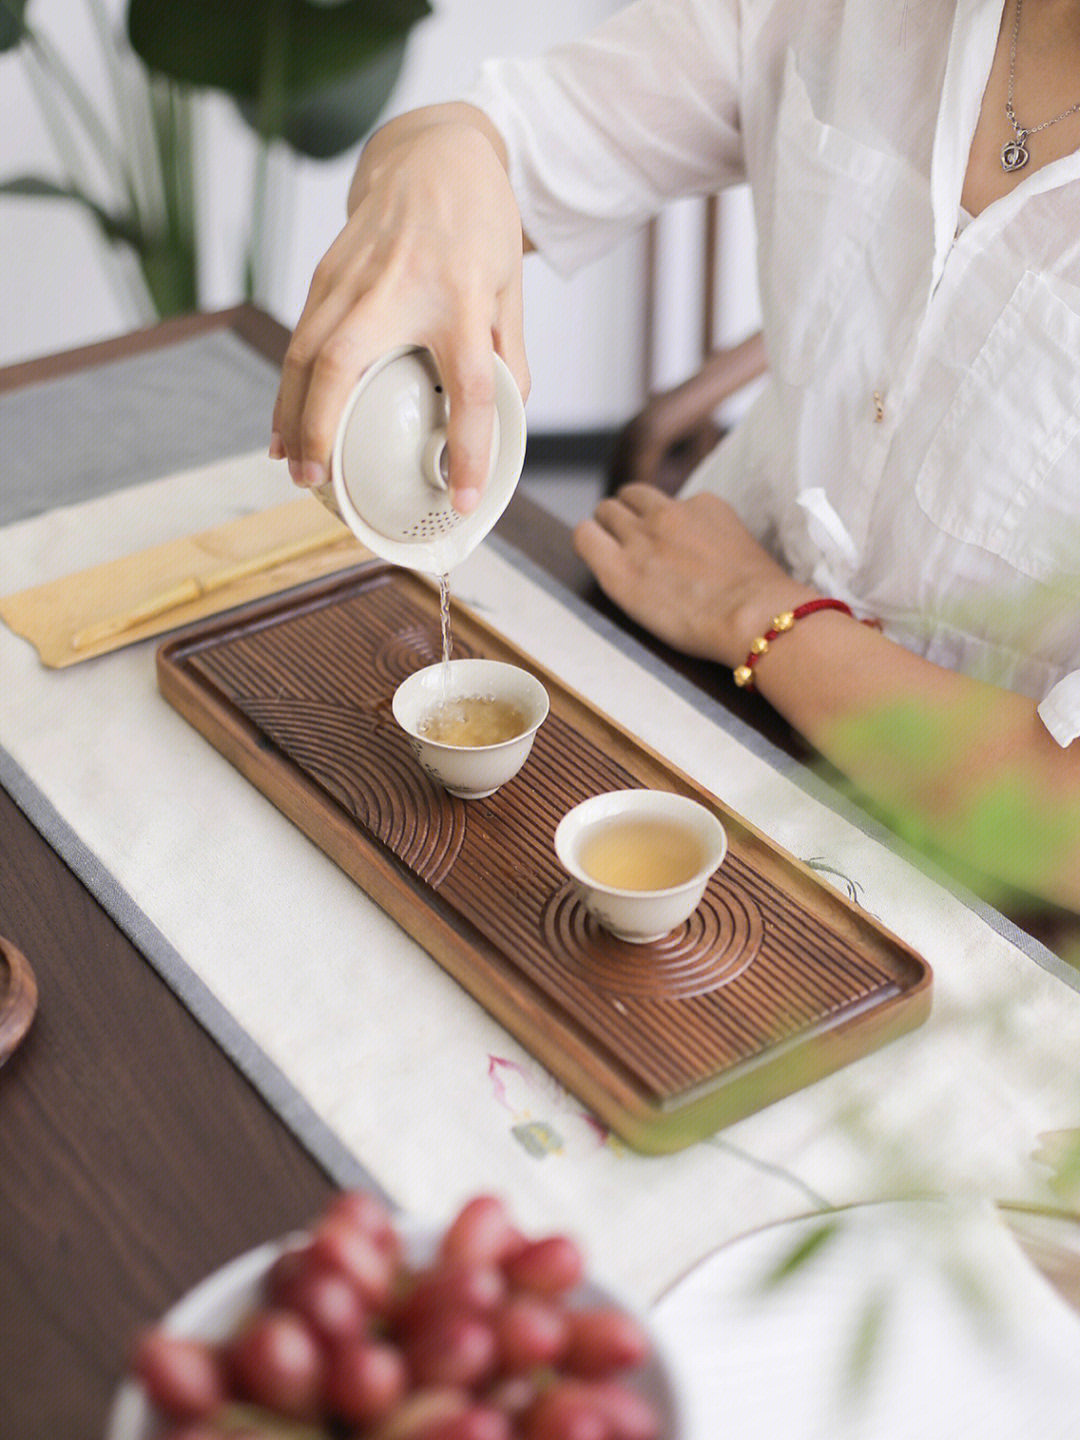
x=311 y=75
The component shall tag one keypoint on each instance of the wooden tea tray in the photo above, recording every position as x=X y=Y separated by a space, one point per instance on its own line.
x=775 y=981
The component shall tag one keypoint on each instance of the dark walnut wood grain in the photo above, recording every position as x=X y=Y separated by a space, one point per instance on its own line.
x=134 y=1158
x=774 y=981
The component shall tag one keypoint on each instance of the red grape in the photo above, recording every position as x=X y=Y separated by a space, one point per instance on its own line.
x=324 y=1297
x=182 y=1377
x=603 y=1340
x=479 y=1422
x=452 y=1285
x=292 y=1261
x=481 y=1233
x=365 y=1379
x=367 y=1213
x=567 y=1411
x=451 y=1349
x=513 y=1394
x=630 y=1414
x=275 y=1360
x=530 y=1331
x=549 y=1266
x=342 y=1247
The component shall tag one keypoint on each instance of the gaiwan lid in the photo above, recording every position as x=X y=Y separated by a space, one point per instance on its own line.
x=388 y=471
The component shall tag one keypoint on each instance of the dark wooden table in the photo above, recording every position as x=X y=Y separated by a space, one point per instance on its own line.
x=134 y=1158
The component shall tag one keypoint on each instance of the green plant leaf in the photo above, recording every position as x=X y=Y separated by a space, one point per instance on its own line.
x=333 y=119
x=12 y=23
x=305 y=54
x=114 y=227
x=802 y=1253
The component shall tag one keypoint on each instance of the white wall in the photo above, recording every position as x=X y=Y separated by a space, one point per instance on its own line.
x=59 y=288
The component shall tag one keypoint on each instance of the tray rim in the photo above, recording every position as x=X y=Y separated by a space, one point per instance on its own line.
x=647 y=1122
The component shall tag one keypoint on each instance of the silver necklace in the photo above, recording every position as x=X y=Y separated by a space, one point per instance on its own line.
x=1014 y=154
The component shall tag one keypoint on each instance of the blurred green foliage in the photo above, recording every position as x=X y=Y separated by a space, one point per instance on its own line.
x=312 y=75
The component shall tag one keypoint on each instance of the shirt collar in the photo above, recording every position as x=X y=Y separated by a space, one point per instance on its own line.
x=971 y=54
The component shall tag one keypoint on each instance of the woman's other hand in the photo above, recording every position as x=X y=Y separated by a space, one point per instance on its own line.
x=431 y=256
x=687 y=570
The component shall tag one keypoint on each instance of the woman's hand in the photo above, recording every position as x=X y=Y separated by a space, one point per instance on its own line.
x=687 y=570
x=431 y=256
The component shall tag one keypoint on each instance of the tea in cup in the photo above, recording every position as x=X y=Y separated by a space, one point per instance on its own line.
x=641 y=859
x=471 y=723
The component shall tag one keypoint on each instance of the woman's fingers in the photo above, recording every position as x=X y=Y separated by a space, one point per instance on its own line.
x=466 y=362
x=336 y=338
x=603 y=554
x=627 y=514
x=641 y=499
x=508 y=334
x=688 y=570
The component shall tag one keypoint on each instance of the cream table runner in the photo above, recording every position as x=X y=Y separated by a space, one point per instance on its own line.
x=376 y=1056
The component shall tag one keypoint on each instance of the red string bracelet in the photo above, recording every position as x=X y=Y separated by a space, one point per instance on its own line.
x=744 y=673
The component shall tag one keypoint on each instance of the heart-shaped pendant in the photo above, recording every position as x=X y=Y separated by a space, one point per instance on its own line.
x=1014 y=155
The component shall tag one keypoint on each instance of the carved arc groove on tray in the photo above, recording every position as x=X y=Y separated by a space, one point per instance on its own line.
x=353 y=753
x=776 y=980
x=717 y=943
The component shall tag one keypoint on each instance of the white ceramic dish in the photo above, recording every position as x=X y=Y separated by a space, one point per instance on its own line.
x=640 y=915
x=214 y=1308
x=471 y=771
x=909 y=1318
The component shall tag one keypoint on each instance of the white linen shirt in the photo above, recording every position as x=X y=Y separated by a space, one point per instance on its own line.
x=916 y=449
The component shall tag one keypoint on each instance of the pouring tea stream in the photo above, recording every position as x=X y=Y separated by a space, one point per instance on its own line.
x=389 y=475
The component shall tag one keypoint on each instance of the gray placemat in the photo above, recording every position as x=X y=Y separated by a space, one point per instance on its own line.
x=138 y=418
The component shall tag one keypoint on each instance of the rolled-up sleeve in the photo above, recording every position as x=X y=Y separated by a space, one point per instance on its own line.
x=602 y=131
x=1060 y=710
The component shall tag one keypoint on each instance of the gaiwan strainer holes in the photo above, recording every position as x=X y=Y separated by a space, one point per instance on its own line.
x=435 y=522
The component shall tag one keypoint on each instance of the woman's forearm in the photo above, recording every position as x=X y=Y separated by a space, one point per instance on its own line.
x=380 y=147
x=964 y=769
x=960 y=767
x=406 y=127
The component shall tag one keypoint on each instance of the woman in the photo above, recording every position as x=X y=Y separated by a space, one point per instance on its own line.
x=915 y=457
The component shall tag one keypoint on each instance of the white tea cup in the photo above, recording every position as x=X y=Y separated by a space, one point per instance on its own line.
x=641 y=859
x=470 y=770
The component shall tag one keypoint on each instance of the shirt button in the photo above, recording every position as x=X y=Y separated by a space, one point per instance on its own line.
x=879 y=406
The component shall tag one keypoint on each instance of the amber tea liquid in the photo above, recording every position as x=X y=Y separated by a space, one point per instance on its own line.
x=637 y=854
x=473 y=720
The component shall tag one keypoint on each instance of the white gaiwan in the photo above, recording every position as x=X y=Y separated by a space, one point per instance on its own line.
x=389 y=466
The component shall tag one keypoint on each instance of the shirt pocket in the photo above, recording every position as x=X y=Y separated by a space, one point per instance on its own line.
x=1003 y=469
x=832 y=199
